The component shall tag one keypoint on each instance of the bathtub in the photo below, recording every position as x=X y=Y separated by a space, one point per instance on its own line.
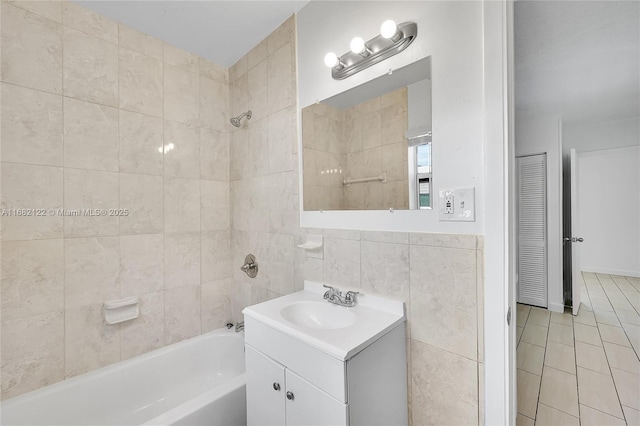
x=200 y=381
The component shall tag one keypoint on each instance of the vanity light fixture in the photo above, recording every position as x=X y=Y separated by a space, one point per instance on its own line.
x=392 y=40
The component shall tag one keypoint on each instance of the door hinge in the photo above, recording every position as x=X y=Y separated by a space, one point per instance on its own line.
x=509 y=316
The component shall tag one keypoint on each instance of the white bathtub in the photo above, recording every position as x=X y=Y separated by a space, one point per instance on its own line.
x=200 y=381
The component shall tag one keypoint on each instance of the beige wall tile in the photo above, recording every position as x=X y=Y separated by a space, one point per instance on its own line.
x=385 y=269
x=142 y=196
x=139 y=42
x=342 y=262
x=181 y=205
x=141 y=264
x=559 y=390
x=550 y=416
x=31 y=187
x=181 y=259
x=598 y=391
x=89 y=189
x=31 y=50
x=181 y=95
x=32 y=278
x=181 y=58
x=214 y=105
x=214 y=155
x=258 y=152
x=89 y=342
x=257 y=54
x=90 y=68
x=257 y=88
x=283 y=211
x=182 y=313
x=183 y=160
x=216 y=304
x=444 y=387
x=239 y=102
x=591 y=417
x=386 y=237
x=215 y=204
x=280 y=36
x=92 y=268
x=80 y=18
x=31 y=126
x=213 y=71
x=281 y=136
x=443 y=240
x=215 y=255
x=90 y=136
x=443 y=298
x=32 y=353
x=279 y=80
x=238 y=69
x=140 y=83
x=146 y=332
x=50 y=9
x=141 y=142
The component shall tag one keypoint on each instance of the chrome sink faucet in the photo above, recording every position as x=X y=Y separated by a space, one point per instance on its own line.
x=333 y=295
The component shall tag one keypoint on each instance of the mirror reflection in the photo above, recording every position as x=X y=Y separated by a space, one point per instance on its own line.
x=369 y=148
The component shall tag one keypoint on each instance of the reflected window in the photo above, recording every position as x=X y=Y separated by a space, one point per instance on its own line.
x=419 y=173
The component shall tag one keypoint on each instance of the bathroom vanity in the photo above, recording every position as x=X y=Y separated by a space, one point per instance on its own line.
x=311 y=362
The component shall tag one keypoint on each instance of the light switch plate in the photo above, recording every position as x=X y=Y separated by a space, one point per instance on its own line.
x=464 y=205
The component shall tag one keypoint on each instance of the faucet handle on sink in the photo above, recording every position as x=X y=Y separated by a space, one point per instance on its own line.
x=331 y=292
x=350 y=296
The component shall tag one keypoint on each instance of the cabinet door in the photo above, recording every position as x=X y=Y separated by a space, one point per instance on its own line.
x=311 y=406
x=265 y=390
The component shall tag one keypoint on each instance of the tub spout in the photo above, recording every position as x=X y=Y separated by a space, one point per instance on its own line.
x=240 y=326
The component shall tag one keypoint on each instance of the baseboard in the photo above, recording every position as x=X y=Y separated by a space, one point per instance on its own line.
x=610 y=271
x=556 y=307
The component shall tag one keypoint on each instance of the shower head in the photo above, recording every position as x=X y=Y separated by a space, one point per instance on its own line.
x=236 y=120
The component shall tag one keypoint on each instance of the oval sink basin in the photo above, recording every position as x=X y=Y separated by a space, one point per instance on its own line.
x=318 y=315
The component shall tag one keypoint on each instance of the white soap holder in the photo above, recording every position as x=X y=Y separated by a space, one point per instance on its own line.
x=313 y=246
x=117 y=311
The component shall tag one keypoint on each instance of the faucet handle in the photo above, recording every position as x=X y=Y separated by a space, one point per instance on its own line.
x=329 y=293
x=350 y=296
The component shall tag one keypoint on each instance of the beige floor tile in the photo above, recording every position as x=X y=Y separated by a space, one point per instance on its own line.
x=587 y=334
x=591 y=417
x=628 y=316
x=621 y=304
x=530 y=358
x=607 y=317
x=597 y=391
x=561 y=334
x=534 y=334
x=528 y=389
x=561 y=357
x=539 y=316
x=597 y=294
x=633 y=333
x=519 y=331
x=548 y=416
x=558 y=390
x=613 y=335
x=585 y=317
x=628 y=386
x=591 y=357
x=631 y=415
x=524 y=421
x=622 y=357
x=601 y=305
x=563 y=319
x=522 y=314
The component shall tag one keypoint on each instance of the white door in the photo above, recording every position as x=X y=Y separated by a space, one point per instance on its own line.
x=576 y=275
x=265 y=390
x=532 y=229
x=309 y=406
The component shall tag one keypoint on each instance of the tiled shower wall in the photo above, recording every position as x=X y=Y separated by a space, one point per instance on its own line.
x=90 y=112
x=439 y=276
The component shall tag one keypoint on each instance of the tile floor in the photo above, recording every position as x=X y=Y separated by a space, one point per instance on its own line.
x=583 y=369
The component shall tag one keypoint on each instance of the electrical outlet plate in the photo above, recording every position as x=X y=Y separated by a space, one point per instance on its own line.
x=457 y=205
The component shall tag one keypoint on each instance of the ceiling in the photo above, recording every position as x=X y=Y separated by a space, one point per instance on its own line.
x=220 y=31
x=578 y=59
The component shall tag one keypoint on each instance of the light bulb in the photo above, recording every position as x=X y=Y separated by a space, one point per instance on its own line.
x=388 y=29
x=331 y=59
x=357 y=45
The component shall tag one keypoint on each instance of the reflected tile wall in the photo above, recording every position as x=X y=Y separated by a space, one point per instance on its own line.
x=143 y=127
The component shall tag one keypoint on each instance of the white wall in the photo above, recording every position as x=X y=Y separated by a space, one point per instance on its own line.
x=537 y=135
x=452 y=34
x=609 y=211
x=596 y=136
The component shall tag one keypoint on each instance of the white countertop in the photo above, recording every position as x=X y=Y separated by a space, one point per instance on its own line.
x=375 y=316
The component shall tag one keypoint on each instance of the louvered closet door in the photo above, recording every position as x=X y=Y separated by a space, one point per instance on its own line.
x=532 y=230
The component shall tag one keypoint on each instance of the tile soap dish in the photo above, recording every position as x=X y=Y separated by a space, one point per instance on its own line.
x=313 y=246
x=117 y=311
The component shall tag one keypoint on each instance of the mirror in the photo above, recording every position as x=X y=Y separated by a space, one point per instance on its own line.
x=369 y=148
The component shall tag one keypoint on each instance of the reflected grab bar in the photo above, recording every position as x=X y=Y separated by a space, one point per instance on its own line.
x=382 y=178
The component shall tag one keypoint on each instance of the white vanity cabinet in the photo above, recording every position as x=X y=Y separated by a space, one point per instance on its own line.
x=302 y=375
x=280 y=397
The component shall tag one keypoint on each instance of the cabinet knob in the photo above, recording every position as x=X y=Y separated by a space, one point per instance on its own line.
x=290 y=396
x=276 y=386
